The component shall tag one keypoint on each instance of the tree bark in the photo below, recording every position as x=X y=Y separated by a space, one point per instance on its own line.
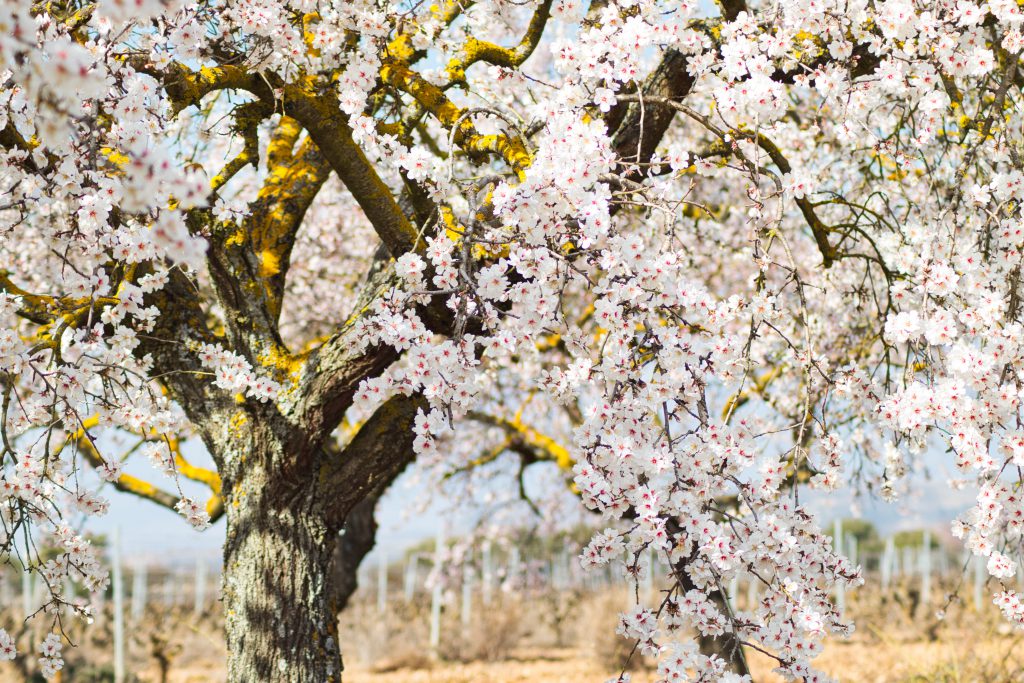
x=277 y=598
x=286 y=495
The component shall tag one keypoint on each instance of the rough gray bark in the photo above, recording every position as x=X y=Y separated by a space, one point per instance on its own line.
x=278 y=617
x=284 y=512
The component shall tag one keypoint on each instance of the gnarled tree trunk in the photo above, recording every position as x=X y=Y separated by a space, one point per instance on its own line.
x=277 y=593
x=286 y=497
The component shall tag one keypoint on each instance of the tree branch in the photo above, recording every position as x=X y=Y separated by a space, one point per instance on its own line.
x=542 y=446
x=128 y=483
x=482 y=51
x=376 y=455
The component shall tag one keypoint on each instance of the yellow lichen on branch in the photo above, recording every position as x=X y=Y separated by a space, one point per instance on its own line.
x=187 y=87
x=397 y=74
x=482 y=51
x=186 y=469
x=128 y=483
x=291 y=185
x=542 y=446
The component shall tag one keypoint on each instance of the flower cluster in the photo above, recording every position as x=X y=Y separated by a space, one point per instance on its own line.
x=233 y=373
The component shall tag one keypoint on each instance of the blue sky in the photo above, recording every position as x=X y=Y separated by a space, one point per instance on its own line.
x=154 y=534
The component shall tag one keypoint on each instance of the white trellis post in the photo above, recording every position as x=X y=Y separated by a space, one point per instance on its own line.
x=382 y=582
x=734 y=587
x=487 y=578
x=512 y=569
x=118 y=589
x=436 y=595
x=926 y=569
x=138 y=592
x=467 y=596
x=885 y=565
x=200 y=589
x=837 y=544
x=411 y=568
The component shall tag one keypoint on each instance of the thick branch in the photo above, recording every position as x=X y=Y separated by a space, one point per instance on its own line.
x=176 y=364
x=482 y=51
x=541 y=446
x=819 y=230
x=464 y=134
x=731 y=8
x=249 y=262
x=128 y=483
x=334 y=370
x=357 y=540
x=375 y=456
x=278 y=212
x=330 y=131
x=643 y=126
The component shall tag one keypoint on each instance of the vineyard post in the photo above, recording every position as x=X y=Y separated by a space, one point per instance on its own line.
x=139 y=586
x=118 y=590
x=886 y=563
x=512 y=569
x=926 y=569
x=412 y=566
x=837 y=543
x=488 y=575
x=467 y=597
x=436 y=596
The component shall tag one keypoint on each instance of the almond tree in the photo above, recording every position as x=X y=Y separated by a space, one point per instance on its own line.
x=705 y=259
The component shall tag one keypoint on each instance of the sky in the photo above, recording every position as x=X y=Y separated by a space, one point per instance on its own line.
x=152 y=534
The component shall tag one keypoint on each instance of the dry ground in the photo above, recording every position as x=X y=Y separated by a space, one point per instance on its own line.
x=563 y=639
x=993 y=661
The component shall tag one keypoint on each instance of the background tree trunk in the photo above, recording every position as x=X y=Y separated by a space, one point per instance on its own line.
x=727 y=646
x=351 y=549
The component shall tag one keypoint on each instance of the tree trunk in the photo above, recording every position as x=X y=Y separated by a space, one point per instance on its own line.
x=278 y=618
x=286 y=496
